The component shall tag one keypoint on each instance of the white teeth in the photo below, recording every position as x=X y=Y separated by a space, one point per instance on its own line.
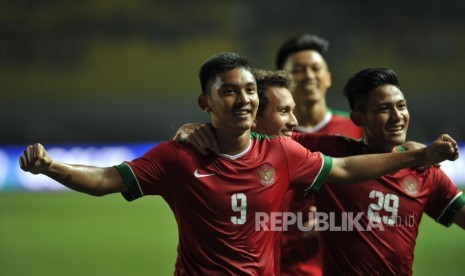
x=241 y=112
x=399 y=128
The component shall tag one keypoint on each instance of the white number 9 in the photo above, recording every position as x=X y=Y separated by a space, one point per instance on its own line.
x=242 y=208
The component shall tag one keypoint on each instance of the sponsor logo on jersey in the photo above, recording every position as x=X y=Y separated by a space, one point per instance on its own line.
x=200 y=175
x=410 y=184
x=266 y=174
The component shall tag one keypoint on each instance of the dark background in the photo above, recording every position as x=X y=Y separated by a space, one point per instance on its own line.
x=117 y=71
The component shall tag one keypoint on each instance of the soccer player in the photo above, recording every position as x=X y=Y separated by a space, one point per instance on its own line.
x=215 y=197
x=397 y=200
x=303 y=56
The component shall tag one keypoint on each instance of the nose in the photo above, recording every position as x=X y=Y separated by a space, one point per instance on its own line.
x=243 y=98
x=292 y=121
x=396 y=114
x=309 y=74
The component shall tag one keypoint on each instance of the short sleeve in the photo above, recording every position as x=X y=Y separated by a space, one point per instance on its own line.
x=445 y=198
x=307 y=170
x=149 y=174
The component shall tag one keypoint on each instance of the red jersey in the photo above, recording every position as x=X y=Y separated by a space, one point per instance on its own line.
x=396 y=202
x=301 y=256
x=215 y=199
x=335 y=122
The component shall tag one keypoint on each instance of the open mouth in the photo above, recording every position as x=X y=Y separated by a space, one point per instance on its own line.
x=287 y=133
x=396 y=130
x=242 y=113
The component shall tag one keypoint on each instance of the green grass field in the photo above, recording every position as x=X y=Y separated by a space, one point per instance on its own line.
x=74 y=234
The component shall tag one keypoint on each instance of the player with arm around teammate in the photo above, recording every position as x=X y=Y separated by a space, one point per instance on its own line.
x=215 y=198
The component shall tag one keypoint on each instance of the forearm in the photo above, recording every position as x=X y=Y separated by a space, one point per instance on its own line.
x=370 y=166
x=87 y=179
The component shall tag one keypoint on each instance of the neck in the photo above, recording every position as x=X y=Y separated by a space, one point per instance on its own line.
x=232 y=143
x=372 y=148
x=309 y=114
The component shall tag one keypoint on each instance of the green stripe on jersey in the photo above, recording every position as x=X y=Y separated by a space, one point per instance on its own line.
x=449 y=213
x=259 y=136
x=130 y=180
x=322 y=176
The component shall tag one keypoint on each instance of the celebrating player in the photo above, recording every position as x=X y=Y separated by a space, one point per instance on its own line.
x=397 y=200
x=303 y=56
x=215 y=197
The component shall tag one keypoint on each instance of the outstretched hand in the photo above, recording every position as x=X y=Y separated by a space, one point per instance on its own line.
x=35 y=159
x=443 y=148
x=200 y=135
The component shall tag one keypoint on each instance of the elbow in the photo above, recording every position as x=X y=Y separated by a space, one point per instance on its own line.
x=98 y=193
x=99 y=190
x=95 y=192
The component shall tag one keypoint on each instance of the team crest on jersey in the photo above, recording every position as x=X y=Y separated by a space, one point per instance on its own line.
x=410 y=184
x=266 y=174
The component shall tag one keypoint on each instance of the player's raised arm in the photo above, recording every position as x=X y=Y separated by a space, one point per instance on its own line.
x=363 y=167
x=91 y=180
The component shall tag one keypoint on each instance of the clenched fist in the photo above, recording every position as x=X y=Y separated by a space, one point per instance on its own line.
x=35 y=159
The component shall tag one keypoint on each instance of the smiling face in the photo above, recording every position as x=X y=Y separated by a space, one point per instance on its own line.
x=277 y=117
x=311 y=75
x=384 y=118
x=232 y=101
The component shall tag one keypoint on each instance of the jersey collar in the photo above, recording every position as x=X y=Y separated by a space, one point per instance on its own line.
x=318 y=126
x=239 y=155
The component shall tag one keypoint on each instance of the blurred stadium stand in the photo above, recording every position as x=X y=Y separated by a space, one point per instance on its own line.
x=102 y=71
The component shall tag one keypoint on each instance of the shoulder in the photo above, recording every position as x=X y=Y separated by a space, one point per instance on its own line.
x=342 y=124
x=339 y=113
x=261 y=137
x=173 y=148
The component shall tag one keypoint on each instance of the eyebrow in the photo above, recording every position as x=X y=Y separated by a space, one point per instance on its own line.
x=284 y=106
x=226 y=84
x=390 y=103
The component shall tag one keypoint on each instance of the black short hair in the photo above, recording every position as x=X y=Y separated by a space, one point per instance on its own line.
x=300 y=43
x=361 y=84
x=218 y=64
x=266 y=79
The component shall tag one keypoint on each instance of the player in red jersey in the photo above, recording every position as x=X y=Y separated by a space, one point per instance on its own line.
x=303 y=56
x=397 y=200
x=215 y=198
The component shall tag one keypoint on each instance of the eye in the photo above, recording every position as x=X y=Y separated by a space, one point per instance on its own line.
x=227 y=91
x=284 y=111
x=316 y=68
x=251 y=90
x=298 y=69
x=402 y=106
x=382 y=109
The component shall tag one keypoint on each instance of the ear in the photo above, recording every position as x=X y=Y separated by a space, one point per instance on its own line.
x=203 y=102
x=356 y=117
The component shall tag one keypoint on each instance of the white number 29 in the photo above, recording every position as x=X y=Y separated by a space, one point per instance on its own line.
x=241 y=207
x=388 y=202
